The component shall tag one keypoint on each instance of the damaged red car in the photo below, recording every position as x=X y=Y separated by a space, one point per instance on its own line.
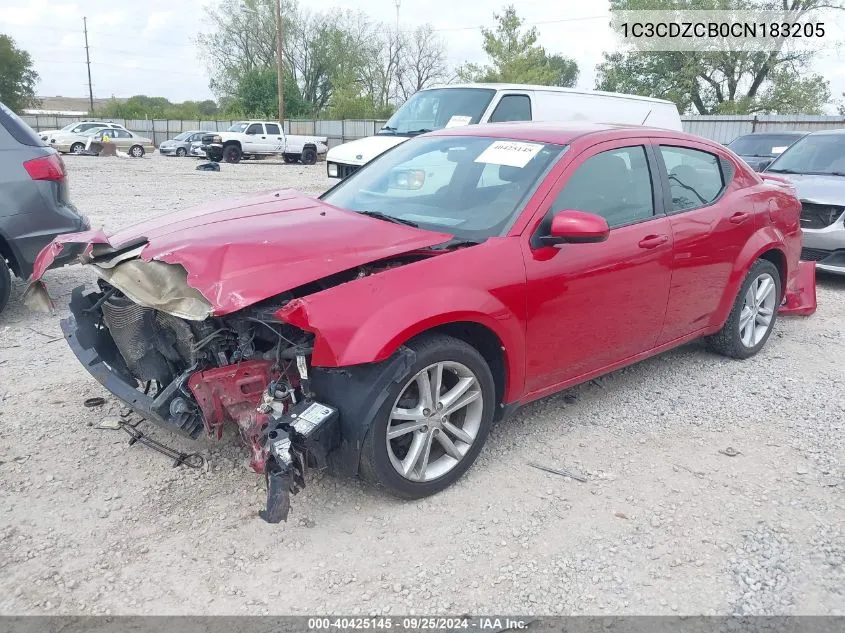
x=380 y=329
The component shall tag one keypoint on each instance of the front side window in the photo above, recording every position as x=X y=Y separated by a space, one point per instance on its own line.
x=272 y=128
x=471 y=187
x=512 y=108
x=429 y=110
x=255 y=128
x=695 y=177
x=615 y=184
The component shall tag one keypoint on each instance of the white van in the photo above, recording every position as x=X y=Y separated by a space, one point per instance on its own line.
x=467 y=104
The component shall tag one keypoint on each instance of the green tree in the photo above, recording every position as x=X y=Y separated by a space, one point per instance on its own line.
x=515 y=56
x=726 y=82
x=17 y=77
x=257 y=95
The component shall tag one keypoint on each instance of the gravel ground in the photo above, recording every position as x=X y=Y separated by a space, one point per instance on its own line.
x=664 y=524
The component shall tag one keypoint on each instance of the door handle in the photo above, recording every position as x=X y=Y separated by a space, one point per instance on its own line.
x=263 y=137
x=653 y=241
x=740 y=217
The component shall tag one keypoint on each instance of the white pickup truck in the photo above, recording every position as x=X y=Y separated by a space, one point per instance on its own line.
x=256 y=139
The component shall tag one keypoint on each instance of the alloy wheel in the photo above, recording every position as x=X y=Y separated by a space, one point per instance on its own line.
x=434 y=421
x=758 y=310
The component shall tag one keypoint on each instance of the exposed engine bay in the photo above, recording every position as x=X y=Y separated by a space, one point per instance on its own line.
x=247 y=368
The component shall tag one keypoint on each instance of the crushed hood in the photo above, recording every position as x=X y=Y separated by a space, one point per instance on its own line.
x=237 y=252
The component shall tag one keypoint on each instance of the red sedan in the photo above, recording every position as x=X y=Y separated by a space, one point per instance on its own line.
x=381 y=328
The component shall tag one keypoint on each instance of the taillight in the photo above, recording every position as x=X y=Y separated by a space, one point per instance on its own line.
x=49 y=167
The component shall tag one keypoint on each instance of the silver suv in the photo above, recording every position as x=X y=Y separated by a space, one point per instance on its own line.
x=34 y=205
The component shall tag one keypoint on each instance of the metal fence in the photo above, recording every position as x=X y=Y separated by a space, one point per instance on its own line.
x=160 y=130
x=724 y=129
x=716 y=127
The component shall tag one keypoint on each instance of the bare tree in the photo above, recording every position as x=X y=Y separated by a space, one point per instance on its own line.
x=423 y=62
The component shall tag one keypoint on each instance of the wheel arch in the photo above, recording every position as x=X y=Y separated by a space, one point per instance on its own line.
x=485 y=341
x=768 y=244
x=7 y=252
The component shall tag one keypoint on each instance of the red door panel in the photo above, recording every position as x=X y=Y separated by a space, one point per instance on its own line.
x=707 y=242
x=590 y=305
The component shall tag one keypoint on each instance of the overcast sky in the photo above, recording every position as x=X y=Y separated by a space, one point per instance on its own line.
x=145 y=46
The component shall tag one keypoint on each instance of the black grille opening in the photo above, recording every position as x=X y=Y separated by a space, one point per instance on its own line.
x=819 y=216
x=345 y=171
x=814 y=254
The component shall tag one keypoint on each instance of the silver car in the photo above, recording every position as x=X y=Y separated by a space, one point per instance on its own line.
x=181 y=144
x=816 y=166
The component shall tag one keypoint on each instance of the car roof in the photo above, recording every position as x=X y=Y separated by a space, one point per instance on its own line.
x=836 y=132
x=775 y=133
x=539 y=88
x=560 y=133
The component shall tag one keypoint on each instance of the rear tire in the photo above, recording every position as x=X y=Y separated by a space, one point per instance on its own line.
x=291 y=158
x=382 y=458
x=309 y=156
x=753 y=315
x=5 y=283
x=231 y=154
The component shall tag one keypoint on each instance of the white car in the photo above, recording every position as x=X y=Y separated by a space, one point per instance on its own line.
x=77 y=127
x=468 y=104
x=256 y=139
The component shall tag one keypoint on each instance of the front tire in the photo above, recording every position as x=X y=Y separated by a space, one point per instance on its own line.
x=181 y=152
x=753 y=315
x=434 y=421
x=136 y=151
x=5 y=283
x=232 y=154
x=77 y=148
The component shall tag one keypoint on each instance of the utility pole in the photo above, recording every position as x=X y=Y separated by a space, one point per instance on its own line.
x=88 y=61
x=280 y=72
x=398 y=3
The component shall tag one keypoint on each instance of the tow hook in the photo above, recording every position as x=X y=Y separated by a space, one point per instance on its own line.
x=297 y=440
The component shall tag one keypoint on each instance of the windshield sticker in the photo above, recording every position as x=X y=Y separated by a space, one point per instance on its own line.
x=779 y=149
x=510 y=153
x=458 y=121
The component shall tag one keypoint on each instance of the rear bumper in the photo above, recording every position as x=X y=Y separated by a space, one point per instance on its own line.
x=800 y=296
x=28 y=233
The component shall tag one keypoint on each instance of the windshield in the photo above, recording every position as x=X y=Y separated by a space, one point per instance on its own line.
x=813 y=154
x=237 y=127
x=471 y=187
x=71 y=127
x=763 y=145
x=434 y=109
x=184 y=136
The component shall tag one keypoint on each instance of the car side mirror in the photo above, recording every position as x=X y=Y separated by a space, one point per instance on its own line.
x=576 y=227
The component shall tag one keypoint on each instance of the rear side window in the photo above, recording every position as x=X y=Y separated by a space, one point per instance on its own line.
x=272 y=128
x=19 y=130
x=695 y=177
x=512 y=108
